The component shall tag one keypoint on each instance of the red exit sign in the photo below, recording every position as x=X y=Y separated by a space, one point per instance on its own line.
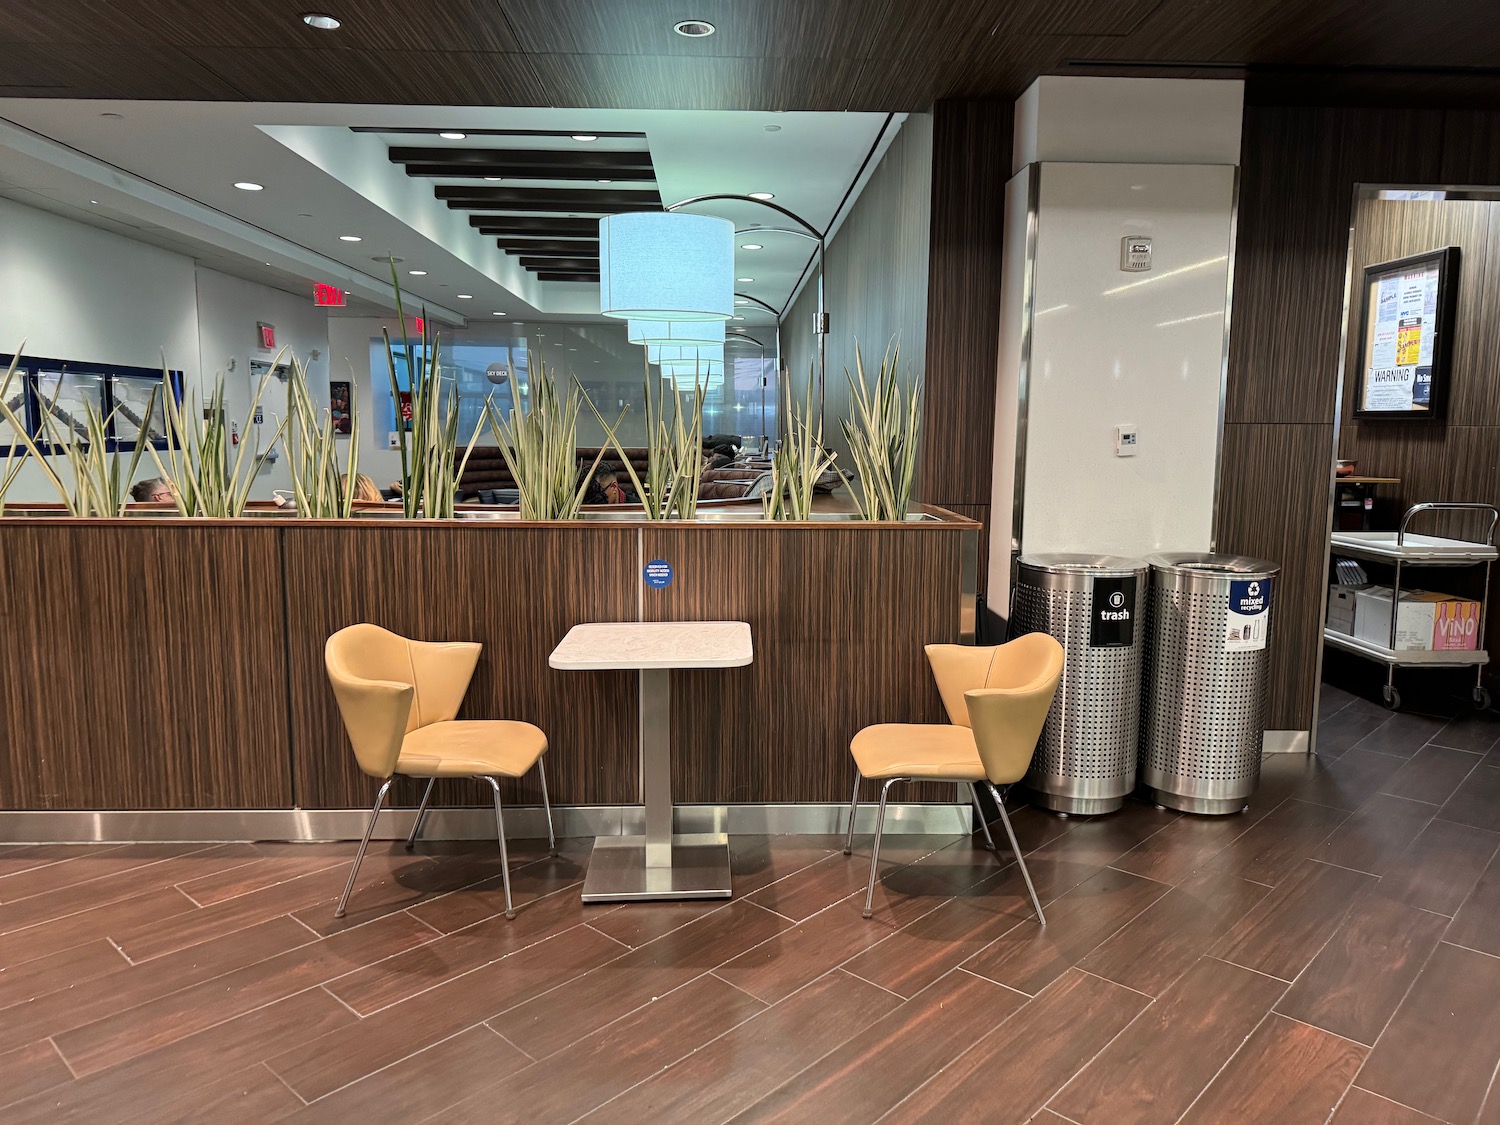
x=328 y=295
x=267 y=334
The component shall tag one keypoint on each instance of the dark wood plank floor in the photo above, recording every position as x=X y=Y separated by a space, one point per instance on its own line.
x=1332 y=954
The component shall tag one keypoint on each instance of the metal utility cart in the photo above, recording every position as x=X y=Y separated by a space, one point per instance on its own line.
x=1402 y=550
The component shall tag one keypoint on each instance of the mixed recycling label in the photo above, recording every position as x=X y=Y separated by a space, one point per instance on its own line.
x=1112 y=613
x=1247 y=626
x=658 y=574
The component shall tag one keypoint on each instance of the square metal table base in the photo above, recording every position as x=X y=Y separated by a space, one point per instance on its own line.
x=618 y=871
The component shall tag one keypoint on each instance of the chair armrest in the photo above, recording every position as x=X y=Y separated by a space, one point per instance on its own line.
x=375 y=714
x=1007 y=723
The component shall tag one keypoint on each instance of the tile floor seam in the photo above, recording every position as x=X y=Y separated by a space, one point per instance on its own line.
x=1489 y=1090
x=769 y=1004
x=991 y=980
x=1396 y=1010
x=1117 y=984
x=283 y=1081
x=205 y=847
x=1470 y=949
x=623 y=945
x=866 y=980
x=1366 y=1046
x=1234 y=1054
x=1249 y=969
x=352 y=1010
x=58 y=1051
x=381 y=1069
x=421 y=922
x=1356 y=1086
x=113 y=944
x=508 y=1041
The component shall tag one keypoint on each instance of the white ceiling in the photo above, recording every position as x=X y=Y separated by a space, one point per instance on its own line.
x=163 y=173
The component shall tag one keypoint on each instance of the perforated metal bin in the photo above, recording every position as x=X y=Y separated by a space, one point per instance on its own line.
x=1205 y=694
x=1086 y=759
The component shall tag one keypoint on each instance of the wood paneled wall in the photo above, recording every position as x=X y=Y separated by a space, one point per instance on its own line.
x=839 y=617
x=518 y=591
x=971 y=161
x=1457 y=459
x=179 y=665
x=1299 y=165
x=142 y=668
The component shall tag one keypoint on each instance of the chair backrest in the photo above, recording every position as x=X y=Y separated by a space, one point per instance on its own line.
x=387 y=686
x=1003 y=693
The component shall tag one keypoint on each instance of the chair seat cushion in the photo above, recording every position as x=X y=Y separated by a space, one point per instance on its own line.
x=942 y=751
x=461 y=748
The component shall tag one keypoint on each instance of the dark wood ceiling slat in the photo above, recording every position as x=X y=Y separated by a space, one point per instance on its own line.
x=519 y=199
x=573 y=248
x=520 y=157
x=547 y=275
x=581 y=265
x=544 y=225
x=559 y=172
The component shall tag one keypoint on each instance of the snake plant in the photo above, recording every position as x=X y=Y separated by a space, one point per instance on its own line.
x=12 y=466
x=97 y=477
x=674 y=453
x=882 y=437
x=322 y=488
x=800 y=460
x=430 y=465
x=539 y=442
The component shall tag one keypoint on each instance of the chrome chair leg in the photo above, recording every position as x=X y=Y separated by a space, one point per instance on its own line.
x=853 y=809
x=541 y=772
x=989 y=841
x=510 y=911
x=1020 y=859
x=363 y=844
x=875 y=848
x=416 y=827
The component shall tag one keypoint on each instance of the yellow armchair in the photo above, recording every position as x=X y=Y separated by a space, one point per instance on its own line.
x=399 y=700
x=997 y=700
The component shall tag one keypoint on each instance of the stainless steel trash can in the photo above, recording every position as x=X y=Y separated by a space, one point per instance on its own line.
x=1205 y=696
x=1086 y=759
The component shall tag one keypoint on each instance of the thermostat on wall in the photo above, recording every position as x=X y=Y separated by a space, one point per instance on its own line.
x=1135 y=253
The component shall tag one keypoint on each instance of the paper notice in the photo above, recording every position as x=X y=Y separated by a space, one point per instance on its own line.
x=1389 y=388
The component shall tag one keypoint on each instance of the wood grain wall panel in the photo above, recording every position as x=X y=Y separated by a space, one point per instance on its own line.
x=516 y=590
x=839 y=616
x=971 y=161
x=1274 y=505
x=1471 y=147
x=143 y=668
x=1298 y=170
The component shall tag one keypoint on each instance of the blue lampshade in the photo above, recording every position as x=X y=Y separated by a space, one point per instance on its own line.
x=677 y=353
x=662 y=265
x=675 y=331
x=707 y=373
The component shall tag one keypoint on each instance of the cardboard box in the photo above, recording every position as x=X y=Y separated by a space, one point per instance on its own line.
x=1425 y=620
x=1341 y=608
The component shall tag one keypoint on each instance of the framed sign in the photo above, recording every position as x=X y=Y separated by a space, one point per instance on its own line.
x=1406 y=336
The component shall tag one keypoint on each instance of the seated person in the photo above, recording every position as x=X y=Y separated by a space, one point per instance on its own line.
x=156 y=490
x=609 y=485
x=365 y=490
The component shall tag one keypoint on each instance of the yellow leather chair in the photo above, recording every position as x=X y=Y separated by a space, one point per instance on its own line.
x=398 y=699
x=997 y=701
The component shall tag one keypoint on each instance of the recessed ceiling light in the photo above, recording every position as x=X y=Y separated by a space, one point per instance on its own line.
x=465 y=296
x=350 y=238
x=761 y=195
x=693 y=29
x=585 y=137
x=493 y=179
x=497 y=314
x=453 y=136
x=604 y=181
x=112 y=116
x=771 y=128
x=95 y=202
x=744 y=279
x=268 y=263
x=741 y=301
x=417 y=273
x=246 y=185
x=736 y=318
x=572 y=349
x=751 y=246
x=322 y=22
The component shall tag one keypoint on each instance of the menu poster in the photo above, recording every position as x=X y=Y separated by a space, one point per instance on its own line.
x=1407 y=319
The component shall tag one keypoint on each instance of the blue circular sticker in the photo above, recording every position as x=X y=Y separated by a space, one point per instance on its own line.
x=658 y=574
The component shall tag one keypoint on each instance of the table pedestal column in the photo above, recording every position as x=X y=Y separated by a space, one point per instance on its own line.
x=661 y=864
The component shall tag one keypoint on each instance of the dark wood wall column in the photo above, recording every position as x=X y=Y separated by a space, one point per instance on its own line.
x=971 y=158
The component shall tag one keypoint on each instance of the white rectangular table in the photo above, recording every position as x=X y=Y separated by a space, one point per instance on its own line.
x=660 y=864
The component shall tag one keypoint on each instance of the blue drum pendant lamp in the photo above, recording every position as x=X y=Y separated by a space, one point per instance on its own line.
x=666 y=266
x=677 y=354
x=681 y=332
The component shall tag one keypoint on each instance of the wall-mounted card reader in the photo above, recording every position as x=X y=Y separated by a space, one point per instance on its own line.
x=1135 y=253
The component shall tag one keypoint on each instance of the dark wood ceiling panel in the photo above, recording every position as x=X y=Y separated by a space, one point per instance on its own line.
x=562 y=265
x=86 y=70
x=663 y=82
x=464 y=26
x=745 y=28
x=557 y=172
x=415 y=77
x=600 y=162
x=551 y=276
x=67 y=21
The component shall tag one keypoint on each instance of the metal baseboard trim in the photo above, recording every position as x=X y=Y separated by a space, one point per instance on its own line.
x=309 y=825
x=1285 y=742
